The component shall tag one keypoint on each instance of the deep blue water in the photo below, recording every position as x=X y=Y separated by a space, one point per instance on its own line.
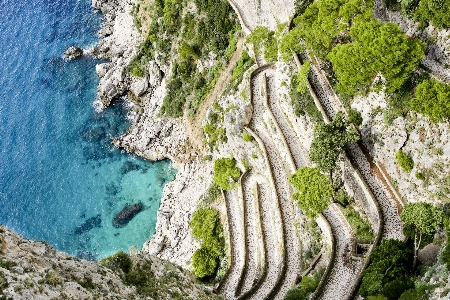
x=58 y=168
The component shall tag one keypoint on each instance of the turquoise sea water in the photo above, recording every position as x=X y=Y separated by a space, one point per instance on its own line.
x=58 y=169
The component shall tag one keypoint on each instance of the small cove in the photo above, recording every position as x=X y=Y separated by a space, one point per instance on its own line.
x=61 y=180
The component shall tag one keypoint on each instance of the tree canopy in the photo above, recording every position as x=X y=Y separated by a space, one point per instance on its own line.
x=433 y=100
x=324 y=22
x=313 y=190
x=433 y=11
x=226 y=173
x=385 y=275
x=376 y=49
x=421 y=221
x=329 y=141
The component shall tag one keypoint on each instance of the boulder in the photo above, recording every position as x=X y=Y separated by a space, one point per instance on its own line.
x=73 y=52
x=154 y=74
x=102 y=69
x=126 y=214
x=138 y=88
x=89 y=224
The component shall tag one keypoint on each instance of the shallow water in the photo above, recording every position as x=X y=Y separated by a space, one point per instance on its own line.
x=58 y=168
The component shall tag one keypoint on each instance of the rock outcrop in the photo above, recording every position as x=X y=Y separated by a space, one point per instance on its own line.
x=35 y=270
x=73 y=52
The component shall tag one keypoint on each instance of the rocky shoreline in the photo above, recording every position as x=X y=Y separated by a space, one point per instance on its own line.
x=150 y=136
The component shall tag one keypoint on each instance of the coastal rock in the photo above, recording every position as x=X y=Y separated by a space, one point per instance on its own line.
x=73 y=52
x=139 y=87
x=154 y=74
x=102 y=69
x=126 y=214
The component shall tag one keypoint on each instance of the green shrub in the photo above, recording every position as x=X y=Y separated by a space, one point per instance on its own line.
x=294 y=294
x=361 y=227
x=420 y=176
x=117 y=261
x=226 y=173
x=248 y=137
x=207 y=229
x=405 y=161
x=242 y=65
x=303 y=103
x=211 y=194
x=433 y=100
x=355 y=117
x=433 y=11
x=302 y=77
x=263 y=37
x=342 y=197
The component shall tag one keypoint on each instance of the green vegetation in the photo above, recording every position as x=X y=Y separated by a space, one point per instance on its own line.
x=184 y=34
x=386 y=274
x=226 y=173
x=242 y=65
x=303 y=103
x=263 y=37
x=329 y=141
x=302 y=77
x=433 y=100
x=210 y=195
x=324 y=23
x=433 y=11
x=420 y=223
x=313 y=190
x=446 y=250
x=207 y=229
x=376 y=49
x=117 y=261
x=214 y=133
x=405 y=161
x=361 y=226
x=247 y=137
x=305 y=288
x=355 y=117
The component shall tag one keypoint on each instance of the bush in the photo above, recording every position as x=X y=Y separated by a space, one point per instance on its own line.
x=226 y=173
x=263 y=37
x=433 y=100
x=248 y=137
x=361 y=227
x=117 y=261
x=420 y=176
x=355 y=117
x=303 y=103
x=207 y=229
x=433 y=11
x=302 y=77
x=405 y=161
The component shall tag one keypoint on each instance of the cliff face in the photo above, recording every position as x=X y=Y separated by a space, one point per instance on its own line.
x=35 y=270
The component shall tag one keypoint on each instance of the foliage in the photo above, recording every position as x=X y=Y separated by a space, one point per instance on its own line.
x=313 y=190
x=226 y=173
x=342 y=197
x=247 y=137
x=329 y=141
x=433 y=11
x=377 y=297
x=355 y=117
x=263 y=37
x=211 y=194
x=386 y=273
x=418 y=293
x=446 y=250
x=301 y=6
x=291 y=41
x=405 y=161
x=376 y=49
x=184 y=33
x=323 y=22
x=305 y=288
x=303 y=103
x=420 y=223
x=207 y=229
x=420 y=176
x=361 y=226
x=398 y=103
x=302 y=77
x=214 y=133
x=242 y=65
x=117 y=261
x=432 y=100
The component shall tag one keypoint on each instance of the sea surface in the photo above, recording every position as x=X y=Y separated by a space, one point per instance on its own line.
x=61 y=180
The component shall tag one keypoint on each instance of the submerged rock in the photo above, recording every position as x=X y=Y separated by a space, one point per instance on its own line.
x=126 y=214
x=128 y=166
x=89 y=224
x=73 y=52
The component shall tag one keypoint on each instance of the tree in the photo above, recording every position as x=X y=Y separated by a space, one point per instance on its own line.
x=421 y=221
x=329 y=141
x=405 y=161
x=377 y=49
x=433 y=100
x=226 y=173
x=204 y=262
x=386 y=273
x=313 y=190
x=433 y=11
